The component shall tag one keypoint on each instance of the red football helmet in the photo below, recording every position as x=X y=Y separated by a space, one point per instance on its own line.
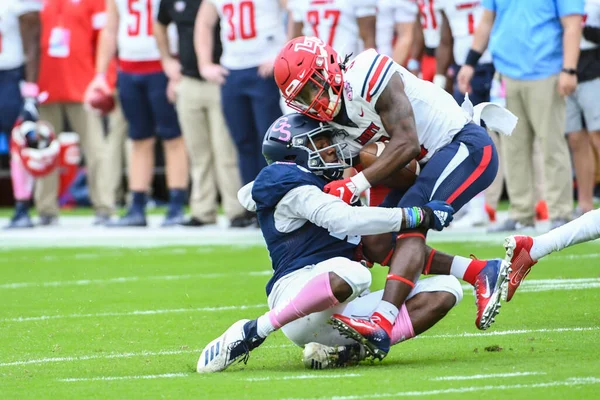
x=36 y=145
x=309 y=75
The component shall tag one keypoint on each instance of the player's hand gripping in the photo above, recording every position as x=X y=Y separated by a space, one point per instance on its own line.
x=438 y=215
x=348 y=189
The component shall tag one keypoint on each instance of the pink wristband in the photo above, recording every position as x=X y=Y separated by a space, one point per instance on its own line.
x=30 y=89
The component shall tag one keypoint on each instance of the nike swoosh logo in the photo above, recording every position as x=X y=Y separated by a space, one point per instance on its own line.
x=487 y=292
x=361 y=113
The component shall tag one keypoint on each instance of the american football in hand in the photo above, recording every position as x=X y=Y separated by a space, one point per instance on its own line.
x=102 y=102
x=400 y=179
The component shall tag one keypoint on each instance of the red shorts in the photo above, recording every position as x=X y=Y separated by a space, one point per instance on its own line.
x=428 y=67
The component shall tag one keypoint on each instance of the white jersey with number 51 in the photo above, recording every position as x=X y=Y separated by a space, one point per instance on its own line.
x=252 y=31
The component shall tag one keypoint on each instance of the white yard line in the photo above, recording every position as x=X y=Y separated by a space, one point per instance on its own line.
x=130 y=313
x=172 y=352
x=126 y=279
x=293 y=377
x=543 y=285
x=575 y=381
x=485 y=376
x=123 y=378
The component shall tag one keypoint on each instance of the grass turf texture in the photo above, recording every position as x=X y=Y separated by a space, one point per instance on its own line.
x=131 y=324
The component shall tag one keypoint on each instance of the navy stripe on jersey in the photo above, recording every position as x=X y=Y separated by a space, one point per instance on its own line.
x=382 y=79
x=362 y=92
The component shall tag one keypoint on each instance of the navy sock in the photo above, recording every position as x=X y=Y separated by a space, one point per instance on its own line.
x=21 y=207
x=176 y=201
x=138 y=203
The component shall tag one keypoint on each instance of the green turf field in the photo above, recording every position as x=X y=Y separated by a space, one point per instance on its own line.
x=115 y=323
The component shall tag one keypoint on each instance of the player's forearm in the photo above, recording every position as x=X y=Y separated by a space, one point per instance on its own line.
x=107 y=49
x=162 y=40
x=206 y=20
x=443 y=57
x=571 y=38
x=482 y=33
x=418 y=45
x=29 y=25
x=294 y=29
x=366 y=28
x=403 y=44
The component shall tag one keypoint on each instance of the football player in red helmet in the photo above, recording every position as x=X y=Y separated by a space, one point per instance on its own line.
x=372 y=98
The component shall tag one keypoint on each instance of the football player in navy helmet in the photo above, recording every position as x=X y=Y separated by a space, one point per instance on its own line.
x=312 y=238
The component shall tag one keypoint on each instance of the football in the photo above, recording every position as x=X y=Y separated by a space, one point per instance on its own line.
x=102 y=102
x=401 y=179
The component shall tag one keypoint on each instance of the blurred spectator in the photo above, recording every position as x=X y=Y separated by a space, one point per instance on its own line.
x=395 y=28
x=426 y=40
x=117 y=150
x=252 y=33
x=211 y=150
x=536 y=83
x=583 y=110
x=142 y=87
x=19 y=61
x=68 y=39
x=341 y=24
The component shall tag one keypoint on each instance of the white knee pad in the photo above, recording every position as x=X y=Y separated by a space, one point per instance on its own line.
x=440 y=283
x=355 y=274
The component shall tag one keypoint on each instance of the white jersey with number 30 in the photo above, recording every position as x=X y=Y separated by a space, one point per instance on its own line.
x=437 y=115
x=135 y=38
x=252 y=31
x=333 y=21
x=463 y=16
x=11 y=46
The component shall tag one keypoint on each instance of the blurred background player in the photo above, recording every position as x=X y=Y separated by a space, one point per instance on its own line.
x=536 y=85
x=347 y=25
x=426 y=40
x=395 y=28
x=213 y=157
x=19 y=65
x=142 y=87
x=251 y=34
x=583 y=111
x=67 y=54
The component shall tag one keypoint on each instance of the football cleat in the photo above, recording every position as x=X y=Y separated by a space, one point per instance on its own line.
x=490 y=283
x=366 y=332
x=517 y=253
x=319 y=356
x=233 y=345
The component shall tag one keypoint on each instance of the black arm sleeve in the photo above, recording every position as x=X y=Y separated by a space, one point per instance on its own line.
x=163 y=12
x=592 y=34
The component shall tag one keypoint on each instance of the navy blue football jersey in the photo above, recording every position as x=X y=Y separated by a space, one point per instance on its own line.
x=308 y=245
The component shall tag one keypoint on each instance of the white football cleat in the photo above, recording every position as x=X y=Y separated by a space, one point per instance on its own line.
x=319 y=356
x=233 y=345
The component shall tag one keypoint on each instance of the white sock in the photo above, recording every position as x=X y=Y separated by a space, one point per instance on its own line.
x=264 y=326
x=459 y=266
x=582 y=229
x=388 y=311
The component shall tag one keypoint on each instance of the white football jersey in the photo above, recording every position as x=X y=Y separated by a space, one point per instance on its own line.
x=11 y=46
x=390 y=13
x=463 y=17
x=333 y=21
x=437 y=115
x=430 y=21
x=252 y=31
x=591 y=18
x=135 y=38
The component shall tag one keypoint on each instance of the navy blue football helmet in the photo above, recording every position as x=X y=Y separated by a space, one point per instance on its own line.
x=288 y=140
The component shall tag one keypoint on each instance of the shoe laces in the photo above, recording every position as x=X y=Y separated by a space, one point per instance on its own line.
x=245 y=350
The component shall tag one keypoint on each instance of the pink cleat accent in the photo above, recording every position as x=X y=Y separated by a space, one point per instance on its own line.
x=517 y=253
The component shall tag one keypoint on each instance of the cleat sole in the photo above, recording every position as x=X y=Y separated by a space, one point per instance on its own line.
x=493 y=307
x=351 y=333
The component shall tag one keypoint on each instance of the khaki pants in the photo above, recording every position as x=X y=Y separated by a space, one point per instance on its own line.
x=93 y=144
x=541 y=113
x=494 y=191
x=116 y=149
x=212 y=154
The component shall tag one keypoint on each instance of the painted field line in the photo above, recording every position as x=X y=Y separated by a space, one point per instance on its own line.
x=485 y=376
x=293 y=377
x=96 y=357
x=575 y=381
x=124 y=378
x=127 y=279
x=173 y=352
x=509 y=332
x=131 y=313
